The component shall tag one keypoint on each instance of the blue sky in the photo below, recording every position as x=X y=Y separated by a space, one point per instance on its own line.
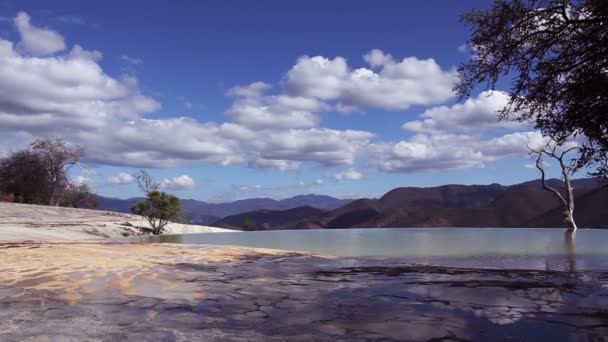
x=239 y=99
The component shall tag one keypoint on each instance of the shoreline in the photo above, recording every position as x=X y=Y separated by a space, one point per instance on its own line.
x=107 y=291
x=93 y=288
x=37 y=222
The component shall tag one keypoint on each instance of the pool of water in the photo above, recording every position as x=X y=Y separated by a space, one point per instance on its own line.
x=457 y=247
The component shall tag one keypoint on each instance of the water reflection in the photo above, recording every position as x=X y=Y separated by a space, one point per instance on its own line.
x=570 y=249
x=171 y=239
x=555 y=249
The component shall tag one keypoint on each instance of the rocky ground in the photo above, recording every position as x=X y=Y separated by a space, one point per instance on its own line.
x=20 y=222
x=135 y=292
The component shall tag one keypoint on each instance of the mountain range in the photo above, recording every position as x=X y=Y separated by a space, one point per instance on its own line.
x=494 y=205
x=199 y=212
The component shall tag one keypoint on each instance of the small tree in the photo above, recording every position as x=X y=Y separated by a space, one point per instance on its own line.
x=145 y=182
x=80 y=196
x=567 y=170
x=158 y=208
x=249 y=225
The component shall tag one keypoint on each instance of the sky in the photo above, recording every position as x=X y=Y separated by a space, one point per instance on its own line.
x=225 y=100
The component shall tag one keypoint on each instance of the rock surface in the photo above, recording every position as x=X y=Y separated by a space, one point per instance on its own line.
x=37 y=222
x=133 y=292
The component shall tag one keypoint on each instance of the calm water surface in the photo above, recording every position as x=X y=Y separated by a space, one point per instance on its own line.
x=457 y=247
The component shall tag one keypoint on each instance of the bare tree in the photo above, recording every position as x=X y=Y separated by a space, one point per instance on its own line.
x=80 y=196
x=58 y=158
x=567 y=170
x=145 y=182
x=39 y=174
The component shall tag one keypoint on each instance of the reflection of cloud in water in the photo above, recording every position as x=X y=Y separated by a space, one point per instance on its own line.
x=479 y=247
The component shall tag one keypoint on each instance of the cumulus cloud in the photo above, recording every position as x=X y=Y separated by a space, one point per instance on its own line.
x=474 y=114
x=443 y=152
x=183 y=182
x=280 y=164
x=389 y=84
x=70 y=95
x=50 y=90
x=121 y=179
x=326 y=146
x=349 y=174
x=35 y=40
x=78 y=52
x=257 y=111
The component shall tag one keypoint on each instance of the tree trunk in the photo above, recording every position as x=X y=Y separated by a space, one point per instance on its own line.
x=568 y=201
x=569 y=219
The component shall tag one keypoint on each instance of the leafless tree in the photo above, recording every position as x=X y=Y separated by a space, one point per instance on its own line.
x=39 y=174
x=567 y=170
x=80 y=196
x=145 y=182
x=58 y=157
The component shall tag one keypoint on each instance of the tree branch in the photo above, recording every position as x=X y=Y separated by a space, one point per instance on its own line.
x=539 y=166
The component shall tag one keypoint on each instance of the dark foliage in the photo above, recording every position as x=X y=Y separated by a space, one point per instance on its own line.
x=23 y=178
x=249 y=225
x=556 y=54
x=39 y=174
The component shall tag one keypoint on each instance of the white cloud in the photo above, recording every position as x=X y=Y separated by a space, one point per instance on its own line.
x=472 y=115
x=255 y=89
x=280 y=164
x=464 y=48
x=397 y=85
x=37 y=41
x=87 y=171
x=349 y=174
x=79 y=180
x=154 y=143
x=121 y=178
x=444 y=152
x=183 y=182
x=533 y=165
x=70 y=95
x=240 y=187
x=71 y=19
x=131 y=60
x=326 y=146
x=78 y=52
x=257 y=111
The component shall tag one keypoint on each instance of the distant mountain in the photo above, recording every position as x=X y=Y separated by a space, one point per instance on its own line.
x=494 y=205
x=579 y=183
x=199 y=212
x=449 y=196
x=269 y=219
x=590 y=211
